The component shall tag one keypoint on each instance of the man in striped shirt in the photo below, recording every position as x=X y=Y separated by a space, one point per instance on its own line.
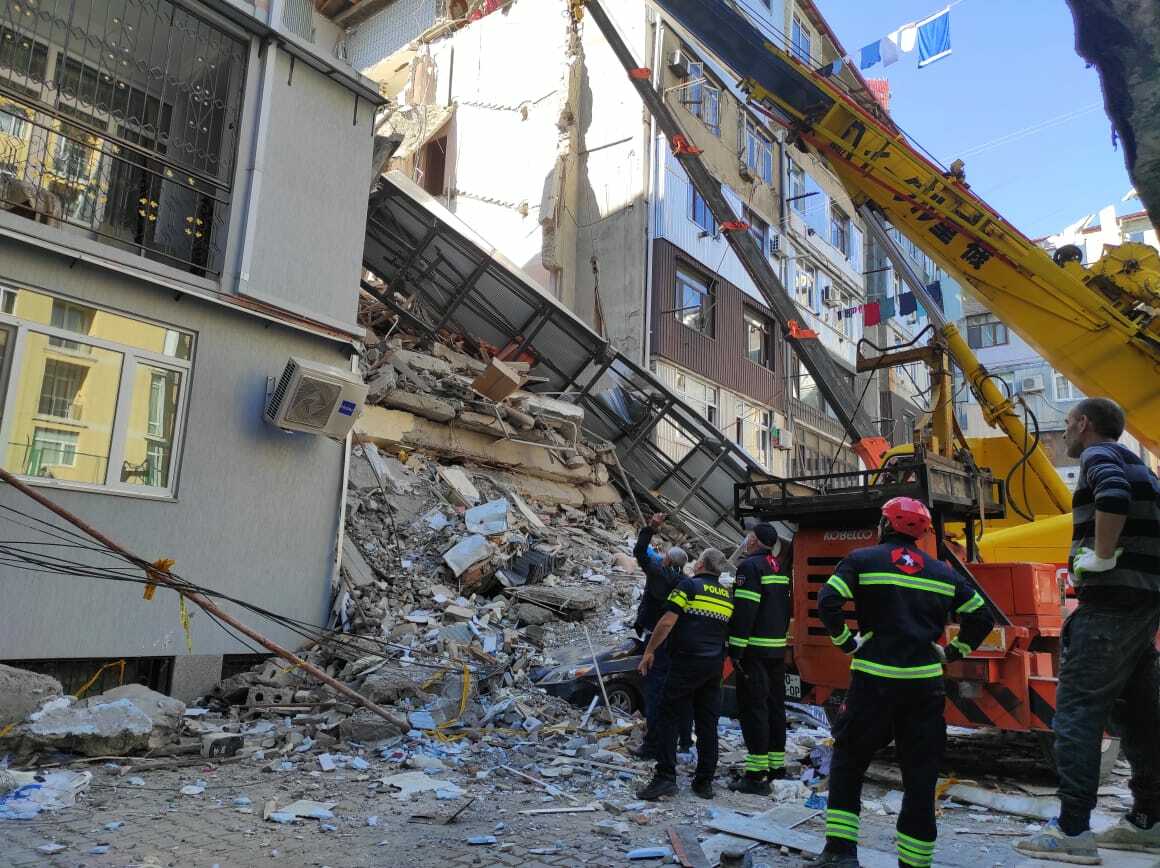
x=1108 y=665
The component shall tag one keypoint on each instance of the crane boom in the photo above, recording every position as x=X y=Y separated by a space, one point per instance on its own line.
x=1100 y=327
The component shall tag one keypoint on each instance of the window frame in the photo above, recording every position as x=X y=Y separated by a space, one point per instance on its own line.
x=840 y=226
x=801 y=36
x=703 y=94
x=796 y=184
x=131 y=357
x=752 y=317
x=976 y=325
x=694 y=197
x=757 y=150
x=687 y=277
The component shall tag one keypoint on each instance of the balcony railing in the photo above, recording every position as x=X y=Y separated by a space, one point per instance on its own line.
x=66 y=175
x=121 y=121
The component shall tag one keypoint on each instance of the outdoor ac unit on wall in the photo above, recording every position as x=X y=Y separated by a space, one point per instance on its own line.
x=316 y=399
x=679 y=64
x=1031 y=384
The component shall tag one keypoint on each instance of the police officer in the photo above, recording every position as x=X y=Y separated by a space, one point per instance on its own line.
x=661 y=576
x=902 y=598
x=757 y=636
x=697 y=615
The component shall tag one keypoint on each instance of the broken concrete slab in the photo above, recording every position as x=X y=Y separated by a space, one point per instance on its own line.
x=22 y=692
x=367 y=727
x=435 y=409
x=463 y=490
x=489 y=518
x=357 y=569
x=410 y=783
x=468 y=551
x=124 y=720
x=570 y=604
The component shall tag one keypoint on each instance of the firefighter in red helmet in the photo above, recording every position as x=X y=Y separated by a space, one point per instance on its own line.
x=902 y=599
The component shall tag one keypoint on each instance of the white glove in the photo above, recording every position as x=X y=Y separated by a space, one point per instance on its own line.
x=1087 y=561
x=939 y=651
x=859 y=641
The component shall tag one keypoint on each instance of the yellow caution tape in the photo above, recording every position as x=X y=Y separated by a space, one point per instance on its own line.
x=183 y=614
x=120 y=679
x=162 y=565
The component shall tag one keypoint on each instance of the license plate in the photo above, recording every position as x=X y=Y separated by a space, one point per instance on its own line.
x=793 y=687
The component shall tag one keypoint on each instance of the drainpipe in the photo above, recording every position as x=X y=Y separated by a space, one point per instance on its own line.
x=649 y=198
x=257 y=166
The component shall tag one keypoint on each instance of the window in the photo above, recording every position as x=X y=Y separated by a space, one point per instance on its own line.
x=95 y=399
x=1064 y=390
x=51 y=448
x=72 y=318
x=1136 y=237
x=840 y=230
x=694 y=303
x=801 y=41
x=758 y=152
x=795 y=373
x=797 y=188
x=60 y=388
x=805 y=284
x=753 y=432
x=699 y=212
x=758 y=230
x=13 y=120
x=703 y=99
x=701 y=396
x=985 y=330
x=758 y=339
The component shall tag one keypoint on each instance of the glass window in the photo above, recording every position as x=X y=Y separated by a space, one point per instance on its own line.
x=985 y=330
x=753 y=432
x=806 y=283
x=703 y=397
x=95 y=398
x=699 y=211
x=795 y=373
x=1136 y=237
x=759 y=230
x=758 y=152
x=840 y=230
x=758 y=339
x=797 y=188
x=152 y=420
x=801 y=40
x=1064 y=389
x=703 y=99
x=694 y=300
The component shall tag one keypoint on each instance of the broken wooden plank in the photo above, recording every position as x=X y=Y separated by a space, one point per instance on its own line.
x=549 y=788
x=760 y=829
x=687 y=848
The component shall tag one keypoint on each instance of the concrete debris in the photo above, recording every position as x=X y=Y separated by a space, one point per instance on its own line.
x=22 y=692
x=121 y=721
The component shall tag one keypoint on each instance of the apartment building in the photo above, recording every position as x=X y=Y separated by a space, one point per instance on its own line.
x=167 y=170
x=565 y=173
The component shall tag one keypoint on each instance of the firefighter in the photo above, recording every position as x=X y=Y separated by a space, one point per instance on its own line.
x=761 y=606
x=902 y=597
x=661 y=576
x=697 y=615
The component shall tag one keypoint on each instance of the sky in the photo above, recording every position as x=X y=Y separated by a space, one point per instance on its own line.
x=1013 y=66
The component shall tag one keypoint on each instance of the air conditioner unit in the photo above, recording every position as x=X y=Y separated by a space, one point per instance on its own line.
x=775 y=246
x=1031 y=384
x=830 y=297
x=679 y=64
x=316 y=399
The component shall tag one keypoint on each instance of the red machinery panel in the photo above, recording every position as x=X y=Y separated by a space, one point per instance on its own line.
x=1029 y=593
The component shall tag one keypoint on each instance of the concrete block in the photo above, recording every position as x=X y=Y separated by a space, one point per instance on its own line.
x=194 y=675
x=220 y=744
x=22 y=692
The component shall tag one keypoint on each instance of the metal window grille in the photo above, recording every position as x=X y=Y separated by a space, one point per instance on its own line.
x=129 y=116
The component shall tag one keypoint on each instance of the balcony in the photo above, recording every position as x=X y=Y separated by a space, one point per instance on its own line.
x=122 y=127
